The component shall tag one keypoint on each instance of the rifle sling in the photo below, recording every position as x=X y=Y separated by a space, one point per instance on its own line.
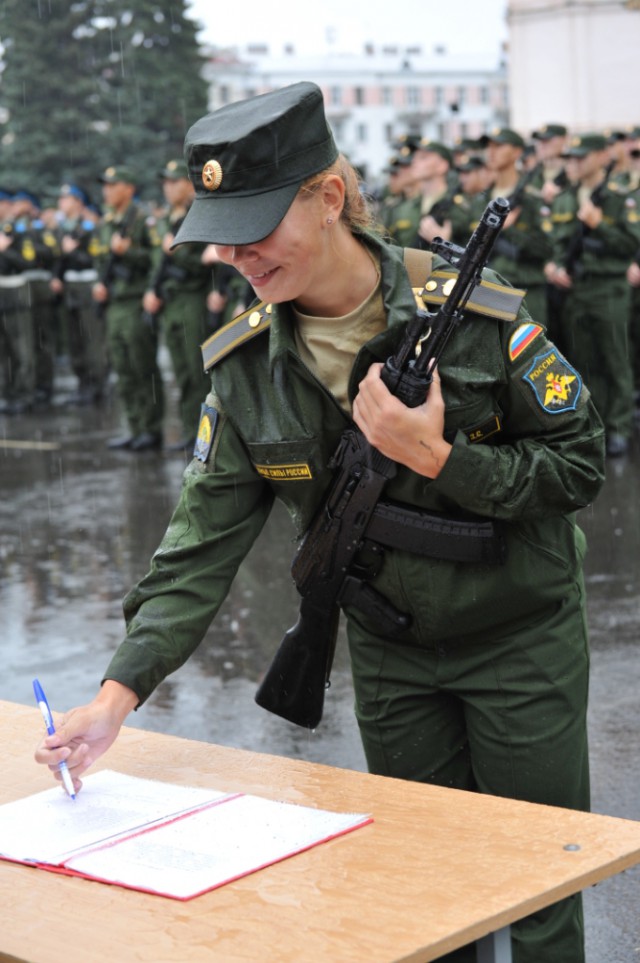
x=435 y=535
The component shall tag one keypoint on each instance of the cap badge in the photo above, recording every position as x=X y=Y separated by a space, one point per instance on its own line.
x=212 y=175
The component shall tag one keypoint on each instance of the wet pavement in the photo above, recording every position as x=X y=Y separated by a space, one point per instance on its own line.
x=78 y=525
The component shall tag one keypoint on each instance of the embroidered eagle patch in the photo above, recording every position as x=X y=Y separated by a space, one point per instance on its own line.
x=555 y=384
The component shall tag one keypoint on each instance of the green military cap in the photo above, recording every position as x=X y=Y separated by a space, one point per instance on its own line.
x=435 y=147
x=550 y=130
x=467 y=144
x=116 y=175
x=585 y=144
x=398 y=160
x=174 y=170
x=248 y=160
x=471 y=162
x=503 y=135
x=408 y=142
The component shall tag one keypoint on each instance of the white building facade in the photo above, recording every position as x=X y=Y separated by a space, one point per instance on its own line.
x=575 y=62
x=374 y=97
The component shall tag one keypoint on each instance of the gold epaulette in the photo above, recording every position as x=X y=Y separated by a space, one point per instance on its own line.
x=246 y=326
x=488 y=298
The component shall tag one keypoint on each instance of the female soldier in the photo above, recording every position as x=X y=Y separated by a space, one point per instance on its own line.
x=487 y=688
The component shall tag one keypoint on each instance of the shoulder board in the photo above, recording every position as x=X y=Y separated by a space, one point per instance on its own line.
x=243 y=328
x=487 y=298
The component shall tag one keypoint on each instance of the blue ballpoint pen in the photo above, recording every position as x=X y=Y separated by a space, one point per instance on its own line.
x=43 y=705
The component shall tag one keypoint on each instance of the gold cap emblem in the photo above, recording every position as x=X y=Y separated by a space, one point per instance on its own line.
x=212 y=175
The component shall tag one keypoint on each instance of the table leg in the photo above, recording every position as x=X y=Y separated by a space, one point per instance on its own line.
x=496 y=947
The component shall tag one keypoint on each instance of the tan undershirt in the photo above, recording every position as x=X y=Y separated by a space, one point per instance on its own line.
x=328 y=346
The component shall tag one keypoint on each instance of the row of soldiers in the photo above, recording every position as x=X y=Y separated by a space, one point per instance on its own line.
x=104 y=289
x=572 y=239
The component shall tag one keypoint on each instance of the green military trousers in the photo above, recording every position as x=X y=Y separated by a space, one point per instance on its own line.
x=133 y=350
x=596 y=337
x=502 y=714
x=184 y=325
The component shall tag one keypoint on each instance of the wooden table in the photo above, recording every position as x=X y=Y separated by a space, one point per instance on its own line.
x=436 y=869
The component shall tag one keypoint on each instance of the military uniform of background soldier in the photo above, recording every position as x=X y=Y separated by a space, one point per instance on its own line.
x=593 y=244
x=523 y=248
x=177 y=295
x=29 y=250
x=432 y=168
x=475 y=183
x=74 y=278
x=123 y=266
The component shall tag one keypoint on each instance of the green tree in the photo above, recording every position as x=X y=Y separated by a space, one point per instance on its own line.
x=91 y=83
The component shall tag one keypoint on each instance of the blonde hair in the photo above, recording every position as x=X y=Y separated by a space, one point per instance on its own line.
x=357 y=212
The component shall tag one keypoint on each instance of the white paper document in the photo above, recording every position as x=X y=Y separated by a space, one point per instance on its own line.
x=176 y=841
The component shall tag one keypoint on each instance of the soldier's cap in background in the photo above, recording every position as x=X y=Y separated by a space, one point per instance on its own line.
x=585 y=144
x=550 y=130
x=73 y=190
x=435 y=147
x=5 y=194
x=396 y=162
x=464 y=145
x=473 y=162
x=118 y=174
x=24 y=195
x=503 y=135
x=247 y=162
x=406 y=142
x=174 y=170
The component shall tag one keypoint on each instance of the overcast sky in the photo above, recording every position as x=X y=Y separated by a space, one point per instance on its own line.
x=463 y=26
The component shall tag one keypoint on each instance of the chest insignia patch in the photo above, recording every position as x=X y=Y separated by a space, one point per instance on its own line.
x=556 y=385
x=522 y=338
x=300 y=472
x=206 y=432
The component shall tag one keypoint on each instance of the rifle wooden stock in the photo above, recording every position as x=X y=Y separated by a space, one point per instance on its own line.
x=295 y=683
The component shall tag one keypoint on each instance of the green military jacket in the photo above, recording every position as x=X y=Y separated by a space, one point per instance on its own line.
x=182 y=270
x=527 y=451
x=126 y=275
x=605 y=251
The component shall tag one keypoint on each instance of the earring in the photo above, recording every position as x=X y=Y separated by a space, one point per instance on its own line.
x=329 y=220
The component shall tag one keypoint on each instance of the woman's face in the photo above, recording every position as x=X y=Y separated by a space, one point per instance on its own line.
x=291 y=263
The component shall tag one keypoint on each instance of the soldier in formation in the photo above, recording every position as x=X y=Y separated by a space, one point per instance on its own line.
x=572 y=243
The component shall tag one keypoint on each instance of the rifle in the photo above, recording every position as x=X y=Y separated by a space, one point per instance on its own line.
x=575 y=248
x=517 y=196
x=166 y=270
x=111 y=268
x=324 y=568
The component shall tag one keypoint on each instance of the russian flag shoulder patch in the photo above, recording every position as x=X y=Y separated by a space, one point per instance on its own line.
x=522 y=338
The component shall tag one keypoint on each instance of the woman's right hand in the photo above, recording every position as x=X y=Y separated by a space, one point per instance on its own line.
x=85 y=733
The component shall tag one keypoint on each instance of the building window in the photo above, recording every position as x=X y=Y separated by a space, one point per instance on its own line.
x=362 y=133
x=335 y=96
x=224 y=94
x=413 y=96
x=387 y=96
x=484 y=94
x=439 y=96
x=358 y=94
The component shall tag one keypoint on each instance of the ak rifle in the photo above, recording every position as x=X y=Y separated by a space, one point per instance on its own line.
x=576 y=246
x=325 y=568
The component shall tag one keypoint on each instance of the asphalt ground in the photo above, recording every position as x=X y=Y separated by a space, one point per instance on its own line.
x=78 y=525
